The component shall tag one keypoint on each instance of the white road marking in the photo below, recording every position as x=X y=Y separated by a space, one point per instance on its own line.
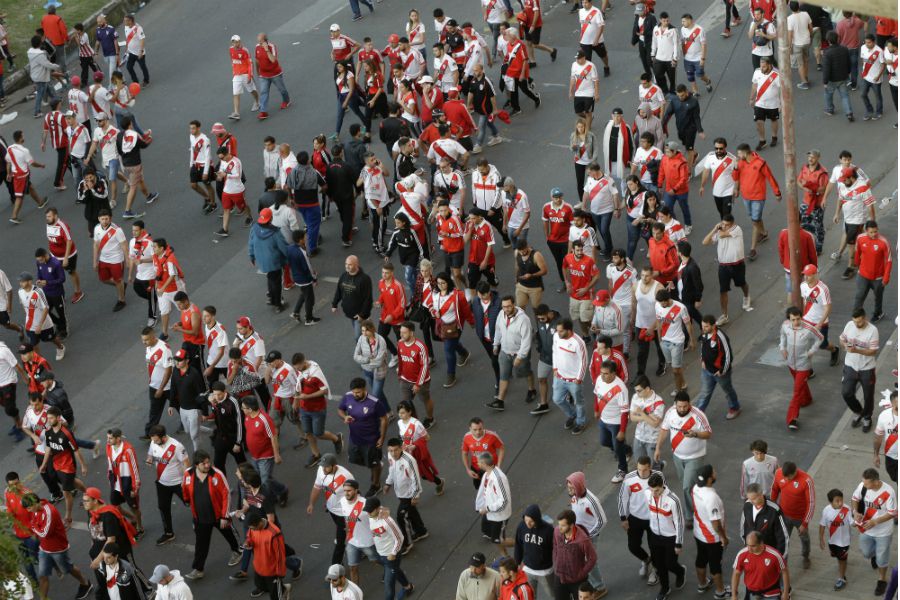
x=715 y=14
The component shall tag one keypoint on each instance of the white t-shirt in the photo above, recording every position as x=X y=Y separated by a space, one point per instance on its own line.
x=584 y=76
x=78 y=103
x=517 y=209
x=611 y=400
x=723 y=183
x=333 y=486
x=815 y=300
x=877 y=503
x=622 y=282
x=216 y=338
x=855 y=201
x=350 y=591
x=887 y=427
x=111 y=251
x=34 y=303
x=766 y=49
x=798 y=24
x=692 y=41
x=670 y=319
x=600 y=194
x=591 y=23
x=641 y=157
x=168 y=461
x=5 y=287
x=708 y=507
x=685 y=447
x=654 y=405
x=159 y=358
x=445 y=146
x=768 y=89
x=586 y=234
x=133 y=37
x=653 y=95
x=359 y=532
x=496 y=11
x=730 y=249
x=866 y=339
x=837 y=525
x=233 y=170
x=871 y=63
x=145 y=271
x=106 y=141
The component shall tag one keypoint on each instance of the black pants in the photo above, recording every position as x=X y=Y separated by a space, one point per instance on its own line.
x=522 y=86
x=379 y=227
x=644 y=53
x=142 y=61
x=272 y=585
x=559 y=251
x=890 y=465
x=410 y=521
x=496 y=219
x=156 y=409
x=731 y=11
x=724 y=205
x=567 y=591
x=644 y=352
x=662 y=553
x=346 y=210
x=87 y=63
x=195 y=355
x=49 y=477
x=164 y=495
x=427 y=328
x=893 y=90
x=203 y=536
x=495 y=360
x=273 y=283
x=308 y=299
x=62 y=165
x=221 y=449
x=57 y=312
x=580 y=171
x=384 y=330
x=866 y=380
x=694 y=312
x=664 y=73
x=636 y=529
x=146 y=290
x=863 y=285
x=340 y=538
x=265 y=397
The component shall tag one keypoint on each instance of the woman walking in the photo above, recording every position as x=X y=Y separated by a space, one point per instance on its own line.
x=347 y=97
x=583 y=146
x=372 y=355
x=451 y=312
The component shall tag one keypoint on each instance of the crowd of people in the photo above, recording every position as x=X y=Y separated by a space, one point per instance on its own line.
x=437 y=202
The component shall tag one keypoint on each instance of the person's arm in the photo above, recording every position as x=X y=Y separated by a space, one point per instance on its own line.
x=659 y=443
x=735 y=577
x=786 y=583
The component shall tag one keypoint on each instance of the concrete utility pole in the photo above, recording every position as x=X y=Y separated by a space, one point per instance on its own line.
x=788 y=148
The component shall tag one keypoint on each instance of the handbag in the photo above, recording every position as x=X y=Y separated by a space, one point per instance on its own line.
x=418 y=314
x=245 y=381
x=450 y=331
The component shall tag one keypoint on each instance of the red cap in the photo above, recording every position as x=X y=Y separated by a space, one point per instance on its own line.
x=601 y=298
x=217 y=128
x=848 y=172
x=394 y=38
x=244 y=322
x=181 y=355
x=98 y=75
x=265 y=216
x=468 y=31
x=93 y=493
x=454 y=93
x=75 y=81
x=810 y=270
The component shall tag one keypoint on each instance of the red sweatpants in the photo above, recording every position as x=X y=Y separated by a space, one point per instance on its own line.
x=802 y=396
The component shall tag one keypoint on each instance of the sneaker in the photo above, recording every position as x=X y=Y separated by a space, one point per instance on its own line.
x=662 y=595
x=78 y=297
x=753 y=254
x=152 y=198
x=726 y=593
x=856 y=422
x=164 y=337
x=451 y=381
x=60 y=188
x=357 y=18
x=794 y=425
x=733 y=413
x=803 y=85
x=880 y=587
x=85 y=590
x=726 y=34
x=661 y=370
x=222 y=233
x=298 y=572
x=55 y=499
x=674 y=392
x=285 y=105
x=476 y=150
x=128 y=214
x=339 y=444
x=461 y=362
x=493 y=141
x=762 y=144
x=139 y=534
x=679 y=579
x=406 y=549
x=195 y=574
x=848 y=273
x=239 y=576
x=256 y=593
x=569 y=424
x=736 y=21
x=312 y=462
x=774 y=142
x=372 y=491
x=313 y=321
x=652 y=576
x=840 y=584
x=497 y=405
x=515 y=112
x=834 y=356
x=876 y=116
x=262 y=116
x=393 y=362
x=618 y=477
x=642 y=571
x=60 y=353
x=553 y=55
x=709 y=87
x=578 y=430
x=439 y=488
x=531 y=396
x=235 y=559
x=745 y=304
x=540 y=409
x=835 y=255
x=877 y=317
x=420 y=536
x=606 y=71
x=428 y=423
x=866 y=425
x=537 y=100
x=850 y=117
x=255 y=107
x=702 y=587
x=867 y=117
x=722 y=320
x=688 y=229
x=234 y=116
x=15 y=220
x=118 y=306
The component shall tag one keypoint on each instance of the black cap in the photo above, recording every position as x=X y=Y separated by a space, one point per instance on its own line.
x=273 y=356
x=452 y=23
x=25 y=276
x=25 y=348
x=372 y=504
x=352 y=483
x=477 y=560
x=45 y=375
x=618 y=111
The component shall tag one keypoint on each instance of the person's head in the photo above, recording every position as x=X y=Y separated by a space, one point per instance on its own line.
x=367 y=328
x=157 y=434
x=249 y=404
x=646 y=140
x=129 y=19
x=682 y=92
x=137 y=227
x=556 y=196
x=41 y=255
x=336 y=576
x=54 y=416
x=579 y=217
x=665 y=214
x=870 y=40
x=708 y=324
x=706 y=476
x=891 y=45
x=114 y=437
x=401 y=221
x=477 y=566
x=758 y=14
x=13 y=483
x=789 y=470
x=595 y=170
x=182 y=301
x=836 y=498
x=476 y=427
x=608 y=371
x=578 y=249
x=642 y=386
x=755 y=494
x=682 y=403
x=274 y=360
x=508 y=305
x=148 y=337
x=351 y=264
x=586 y=591
x=664 y=19
x=387 y=272
x=565 y=521
x=619 y=257
x=91 y=499
x=604 y=342
x=218 y=391
x=395 y=448
x=871 y=479
x=104 y=216
x=351 y=489
x=744 y=152
x=564 y=328
x=508 y=569
x=358 y=388
x=617 y=115
x=256 y=519
x=859 y=317
x=646 y=80
x=754 y=541
x=35 y=43
x=687 y=20
x=727 y=221
x=31 y=502
x=111 y=553
x=871 y=229
x=657 y=485
x=408 y=331
x=760 y=449
x=644 y=466
x=445 y=282
x=202 y=461
x=664 y=297
x=334 y=31
x=812 y=157
x=36 y=401
x=765 y=64
x=485 y=461
x=159 y=246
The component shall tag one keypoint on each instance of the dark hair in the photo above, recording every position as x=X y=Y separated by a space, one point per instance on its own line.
x=759 y=446
x=218 y=386
x=684 y=248
x=394 y=442
x=663 y=295
x=795 y=6
x=586 y=587
x=181 y=296
x=269 y=182
x=788 y=468
x=835 y=493
x=541 y=309
x=357 y=383
x=870 y=37
x=355 y=129
x=249 y=401
x=682 y=396
x=680 y=88
x=871 y=474
x=649 y=138
x=871 y=224
x=641 y=380
x=111 y=548
x=709 y=319
x=832 y=38
x=476 y=421
x=643 y=460
x=704 y=475
x=161 y=242
x=646 y=77
x=609 y=366
x=201 y=456
x=859 y=312
x=54 y=410
x=508 y=563
x=40 y=252
x=655 y=480
x=303 y=157
x=445 y=277
x=157 y=430
x=567 y=515
x=793 y=311
x=35 y=41
x=565 y=323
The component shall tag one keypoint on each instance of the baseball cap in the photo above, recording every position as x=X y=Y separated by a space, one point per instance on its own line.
x=352 y=483
x=673 y=145
x=334 y=27
x=235 y=38
x=244 y=322
x=453 y=93
x=69 y=113
x=328 y=460
x=273 y=356
x=265 y=216
x=159 y=573
x=810 y=270
x=618 y=111
x=217 y=128
x=847 y=172
x=426 y=79
x=814 y=152
x=75 y=81
x=102 y=117
x=181 y=355
x=94 y=494
x=437 y=113
x=477 y=560
x=45 y=375
x=335 y=572
x=25 y=348
x=601 y=298
x=580 y=54
x=25 y=276
x=556 y=193
x=394 y=38
x=98 y=75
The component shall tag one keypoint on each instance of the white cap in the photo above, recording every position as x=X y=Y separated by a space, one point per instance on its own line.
x=426 y=79
x=235 y=38
x=334 y=27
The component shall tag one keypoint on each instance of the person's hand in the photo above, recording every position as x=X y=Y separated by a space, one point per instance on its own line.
x=678 y=550
x=691 y=344
x=471 y=474
x=84 y=470
x=171 y=411
x=415 y=389
x=334 y=309
x=620 y=436
x=876 y=460
x=236 y=448
x=483 y=511
x=278 y=459
x=379 y=443
x=750 y=102
x=415 y=501
x=822 y=544
x=702 y=135
x=309 y=509
x=42 y=146
x=65 y=262
x=348 y=419
x=392 y=557
x=223 y=523
x=205 y=176
x=725 y=541
x=656 y=455
x=784 y=354
x=778 y=197
x=158 y=394
x=95 y=266
x=803 y=529
x=596 y=414
x=625 y=524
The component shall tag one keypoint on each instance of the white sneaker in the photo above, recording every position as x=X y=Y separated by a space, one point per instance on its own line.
x=746 y=304
x=235 y=559
x=722 y=320
x=255 y=107
x=476 y=150
x=688 y=229
x=495 y=140
x=643 y=570
x=652 y=577
x=195 y=574
x=235 y=116
x=618 y=477
x=60 y=353
x=393 y=362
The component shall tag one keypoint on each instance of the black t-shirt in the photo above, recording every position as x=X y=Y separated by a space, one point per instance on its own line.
x=263 y=499
x=108 y=526
x=482 y=91
x=62 y=448
x=613 y=144
x=202 y=502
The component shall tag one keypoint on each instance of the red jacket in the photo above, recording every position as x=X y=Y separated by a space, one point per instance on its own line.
x=885 y=26
x=518 y=588
x=55 y=29
x=663 y=258
x=797 y=496
x=807 y=255
x=573 y=559
x=219 y=492
x=873 y=258
x=457 y=114
x=813 y=182
x=48 y=526
x=674 y=174
x=392 y=297
x=268 y=551
x=19 y=515
x=751 y=175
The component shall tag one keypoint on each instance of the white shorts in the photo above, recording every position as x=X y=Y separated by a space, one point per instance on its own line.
x=166 y=301
x=242 y=83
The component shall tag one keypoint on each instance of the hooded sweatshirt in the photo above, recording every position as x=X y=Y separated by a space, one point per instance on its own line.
x=588 y=511
x=651 y=124
x=573 y=558
x=176 y=589
x=512 y=335
x=534 y=546
x=517 y=588
x=39 y=66
x=267 y=248
x=354 y=294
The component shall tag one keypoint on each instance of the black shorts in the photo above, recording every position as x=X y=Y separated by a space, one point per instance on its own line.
x=732 y=273
x=839 y=552
x=364 y=456
x=709 y=555
x=73 y=264
x=197 y=175
x=599 y=49
x=763 y=114
x=474 y=275
x=8 y=399
x=584 y=104
x=66 y=481
x=852 y=232
x=534 y=37
x=46 y=335
x=688 y=138
x=455 y=260
x=4 y=315
x=124 y=497
x=496 y=530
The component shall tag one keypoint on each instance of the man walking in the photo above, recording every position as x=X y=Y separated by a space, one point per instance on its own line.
x=873 y=263
x=134 y=47
x=512 y=343
x=798 y=342
x=367 y=419
x=751 y=175
x=716 y=361
x=795 y=492
x=269 y=73
x=860 y=342
x=241 y=78
x=667 y=525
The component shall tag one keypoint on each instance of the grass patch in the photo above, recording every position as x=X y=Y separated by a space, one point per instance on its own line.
x=24 y=16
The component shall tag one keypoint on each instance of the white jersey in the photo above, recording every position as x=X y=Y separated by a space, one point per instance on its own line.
x=284 y=382
x=106 y=141
x=5 y=288
x=765 y=49
x=444 y=67
x=865 y=339
x=474 y=56
x=79 y=140
x=591 y=21
x=837 y=523
x=890 y=64
x=666 y=45
x=168 y=461
x=58 y=234
x=871 y=63
x=587 y=235
x=517 y=209
x=761 y=472
x=349 y=591
x=454 y=182
x=768 y=89
x=585 y=77
x=200 y=154
x=670 y=319
x=666 y=515
x=133 y=37
x=588 y=513
x=445 y=147
x=333 y=486
x=877 y=503
x=721 y=172
x=675 y=231
x=288 y=163
x=685 y=447
x=600 y=195
x=692 y=41
x=19 y=159
x=621 y=282
x=815 y=300
x=631 y=499
x=387 y=534
x=886 y=427
x=37 y=316
x=37 y=423
x=611 y=400
x=110 y=241
x=233 y=170
x=654 y=405
x=78 y=104
x=404 y=477
x=708 y=507
x=494 y=11
x=253 y=350
x=159 y=358
x=99 y=98
x=486 y=189
x=641 y=157
x=359 y=532
x=140 y=250
x=652 y=95
x=374 y=187
x=855 y=201
x=494 y=496
x=216 y=338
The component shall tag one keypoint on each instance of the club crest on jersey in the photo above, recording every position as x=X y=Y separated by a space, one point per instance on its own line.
x=768 y=561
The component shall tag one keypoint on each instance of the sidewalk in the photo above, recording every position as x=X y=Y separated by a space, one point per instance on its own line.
x=839 y=465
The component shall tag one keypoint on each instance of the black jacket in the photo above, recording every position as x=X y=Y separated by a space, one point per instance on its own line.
x=691 y=283
x=534 y=547
x=353 y=156
x=543 y=333
x=482 y=91
x=687 y=113
x=269 y=198
x=406 y=242
x=129 y=587
x=769 y=522
x=187 y=389
x=404 y=166
x=229 y=422
x=391 y=130
x=59 y=398
x=836 y=64
x=647 y=38
x=354 y=294
x=133 y=158
x=715 y=352
x=478 y=314
x=340 y=180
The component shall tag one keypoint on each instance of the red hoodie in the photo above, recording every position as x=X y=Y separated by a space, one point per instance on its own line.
x=674 y=174
x=663 y=258
x=807 y=254
x=751 y=176
x=573 y=558
x=518 y=588
x=392 y=298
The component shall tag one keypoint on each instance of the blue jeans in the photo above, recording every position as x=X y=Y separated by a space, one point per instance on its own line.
x=560 y=389
x=708 y=383
x=354 y=6
x=841 y=88
x=515 y=238
x=42 y=88
x=120 y=113
x=265 y=467
x=879 y=101
x=352 y=105
x=634 y=235
x=376 y=387
x=393 y=575
x=854 y=65
x=451 y=348
x=28 y=548
x=483 y=125
x=409 y=273
x=620 y=449
x=670 y=199
x=601 y=224
x=357 y=329
x=312 y=218
x=264 y=84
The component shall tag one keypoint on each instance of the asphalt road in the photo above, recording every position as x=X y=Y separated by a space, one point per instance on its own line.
x=189 y=65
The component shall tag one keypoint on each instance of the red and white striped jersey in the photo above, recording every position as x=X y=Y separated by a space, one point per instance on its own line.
x=685 y=447
x=34 y=302
x=886 y=427
x=55 y=126
x=79 y=140
x=666 y=516
x=815 y=300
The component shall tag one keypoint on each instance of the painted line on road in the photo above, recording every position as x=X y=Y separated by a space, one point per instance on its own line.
x=715 y=14
x=83 y=526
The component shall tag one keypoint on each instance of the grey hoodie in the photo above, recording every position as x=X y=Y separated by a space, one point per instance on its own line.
x=513 y=335
x=39 y=66
x=176 y=589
